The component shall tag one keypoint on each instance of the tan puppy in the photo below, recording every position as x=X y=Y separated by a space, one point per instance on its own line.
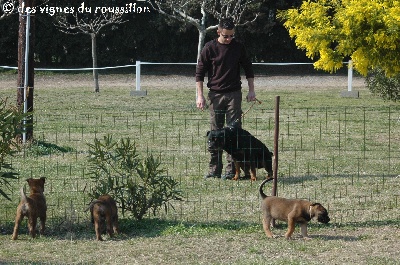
x=104 y=209
x=291 y=211
x=32 y=207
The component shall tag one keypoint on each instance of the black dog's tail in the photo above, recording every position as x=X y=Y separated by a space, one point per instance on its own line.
x=263 y=196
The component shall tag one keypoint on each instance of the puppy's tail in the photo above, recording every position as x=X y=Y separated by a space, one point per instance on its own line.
x=262 y=194
x=23 y=195
x=91 y=205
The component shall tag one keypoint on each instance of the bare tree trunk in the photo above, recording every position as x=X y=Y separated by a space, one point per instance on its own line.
x=202 y=29
x=202 y=36
x=21 y=64
x=94 y=57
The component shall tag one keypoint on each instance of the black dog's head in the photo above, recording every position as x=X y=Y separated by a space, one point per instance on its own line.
x=321 y=213
x=216 y=139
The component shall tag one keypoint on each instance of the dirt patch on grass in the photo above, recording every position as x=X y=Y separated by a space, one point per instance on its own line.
x=65 y=81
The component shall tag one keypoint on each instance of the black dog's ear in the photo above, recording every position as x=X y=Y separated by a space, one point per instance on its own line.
x=208 y=133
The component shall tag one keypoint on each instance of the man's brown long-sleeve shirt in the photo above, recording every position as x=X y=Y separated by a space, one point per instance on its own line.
x=222 y=64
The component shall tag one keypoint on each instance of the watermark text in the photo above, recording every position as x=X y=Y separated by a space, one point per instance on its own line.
x=136 y=7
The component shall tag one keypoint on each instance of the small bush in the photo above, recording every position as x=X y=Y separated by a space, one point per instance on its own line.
x=379 y=84
x=10 y=127
x=137 y=185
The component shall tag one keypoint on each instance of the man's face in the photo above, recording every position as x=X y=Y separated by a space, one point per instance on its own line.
x=225 y=35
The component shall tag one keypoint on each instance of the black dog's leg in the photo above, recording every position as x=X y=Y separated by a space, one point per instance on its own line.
x=237 y=170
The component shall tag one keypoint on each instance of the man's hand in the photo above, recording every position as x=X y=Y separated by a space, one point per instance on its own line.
x=201 y=102
x=251 y=96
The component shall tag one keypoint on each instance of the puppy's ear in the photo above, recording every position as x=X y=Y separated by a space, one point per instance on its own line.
x=29 y=180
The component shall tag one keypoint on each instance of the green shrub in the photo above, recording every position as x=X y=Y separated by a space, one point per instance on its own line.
x=137 y=185
x=10 y=127
x=379 y=84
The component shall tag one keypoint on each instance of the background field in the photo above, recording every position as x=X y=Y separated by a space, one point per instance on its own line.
x=341 y=152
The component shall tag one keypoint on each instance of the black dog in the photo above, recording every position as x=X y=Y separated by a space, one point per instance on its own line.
x=247 y=151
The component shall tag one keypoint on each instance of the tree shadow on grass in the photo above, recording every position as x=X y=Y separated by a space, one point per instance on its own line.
x=297 y=179
x=63 y=230
x=151 y=228
x=300 y=179
x=42 y=148
x=158 y=227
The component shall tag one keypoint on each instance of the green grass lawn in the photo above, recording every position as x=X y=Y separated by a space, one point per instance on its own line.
x=341 y=152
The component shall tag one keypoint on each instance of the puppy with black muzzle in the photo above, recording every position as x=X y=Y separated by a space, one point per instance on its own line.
x=248 y=153
x=291 y=211
x=102 y=210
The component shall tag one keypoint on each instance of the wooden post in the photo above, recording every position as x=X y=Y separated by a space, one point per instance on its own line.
x=276 y=138
x=93 y=36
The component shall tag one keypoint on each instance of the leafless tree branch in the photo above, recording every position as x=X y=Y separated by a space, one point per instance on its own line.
x=231 y=8
x=181 y=10
x=88 y=26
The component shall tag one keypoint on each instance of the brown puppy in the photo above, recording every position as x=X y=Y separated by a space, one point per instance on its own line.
x=292 y=211
x=101 y=210
x=32 y=207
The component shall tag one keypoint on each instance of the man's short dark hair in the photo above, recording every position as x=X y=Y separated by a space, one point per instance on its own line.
x=226 y=23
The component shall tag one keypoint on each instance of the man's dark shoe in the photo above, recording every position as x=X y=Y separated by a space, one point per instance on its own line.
x=228 y=176
x=212 y=175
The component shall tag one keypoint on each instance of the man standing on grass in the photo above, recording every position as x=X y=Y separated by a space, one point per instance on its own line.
x=221 y=59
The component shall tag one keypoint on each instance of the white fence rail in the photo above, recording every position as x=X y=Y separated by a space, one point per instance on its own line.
x=139 y=64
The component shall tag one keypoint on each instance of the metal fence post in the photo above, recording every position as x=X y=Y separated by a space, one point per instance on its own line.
x=350 y=93
x=350 y=77
x=26 y=74
x=137 y=75
x=138 y=91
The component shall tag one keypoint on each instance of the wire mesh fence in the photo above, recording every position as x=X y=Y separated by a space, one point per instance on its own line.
x=346 y=158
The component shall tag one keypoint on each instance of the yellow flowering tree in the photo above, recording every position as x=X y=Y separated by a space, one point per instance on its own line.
x=331 y=31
